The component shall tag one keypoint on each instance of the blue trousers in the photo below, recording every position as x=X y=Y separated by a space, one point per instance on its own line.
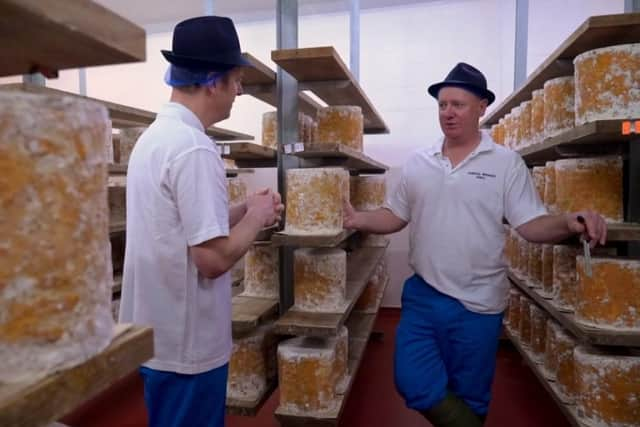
x=179 y=400
x=440 y=346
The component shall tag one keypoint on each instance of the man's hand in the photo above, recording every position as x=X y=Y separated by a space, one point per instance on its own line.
x=349 y=215
x=594 y=227
x=263 y=196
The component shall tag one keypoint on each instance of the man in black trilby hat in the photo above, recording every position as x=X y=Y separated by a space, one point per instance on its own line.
x=182 y=236
x=455 y=195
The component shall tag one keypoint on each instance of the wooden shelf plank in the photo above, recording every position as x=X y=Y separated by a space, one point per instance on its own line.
x=321 y=70
x=626 y=232
x=117 y=284
x=123 y=116
x=595 y=32
x=260 y=82
x=283 y=238
x=360 y=266
x=45 y=400
x=117 y=169
x=569 y=411
x=233 y=172
x=601 y=137
x=360 y=326
x=117 y=227
x=333 y=154
x=249 y=154
x=248 y=312
x=583 y=333
x=52 y=36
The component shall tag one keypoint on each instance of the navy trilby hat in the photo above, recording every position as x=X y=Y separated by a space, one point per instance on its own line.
x=467 y=77
x=208 y=43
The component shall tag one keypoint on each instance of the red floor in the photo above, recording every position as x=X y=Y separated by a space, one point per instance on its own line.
x=519 y=400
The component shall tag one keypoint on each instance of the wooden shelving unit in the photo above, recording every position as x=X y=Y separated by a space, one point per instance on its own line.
x=250 y=408
x=333 y=154
x=249 y=155
x=569 y=411
x=360 y=266
x=249 y=312
x=283 y=238
x=52 y=36
x=321 y=70
x=43 y=401
x=122 y=116
x=586 y=334
x=594 y=33
x=260 y=82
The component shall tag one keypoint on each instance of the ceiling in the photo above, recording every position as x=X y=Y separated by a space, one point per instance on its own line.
x=160 y=15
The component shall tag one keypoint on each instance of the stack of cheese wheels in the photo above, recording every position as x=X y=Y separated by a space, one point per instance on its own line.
x=559 y=104
x=314 y=200
x=237 y=189
x=320 y=279
x=55 y=262
x=341 y=124
x=610 y=297
x=590 y=183
x=367 y=192
x=606 y=83
x=608 y=389
x=537 y=116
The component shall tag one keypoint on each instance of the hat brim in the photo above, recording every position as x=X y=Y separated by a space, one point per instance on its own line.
x=434 y=89
x=220 y=64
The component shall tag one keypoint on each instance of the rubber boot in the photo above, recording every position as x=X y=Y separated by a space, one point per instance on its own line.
x=452 y=412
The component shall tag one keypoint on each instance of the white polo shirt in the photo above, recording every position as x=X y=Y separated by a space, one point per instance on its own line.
x=176 y=198
x=455 y=218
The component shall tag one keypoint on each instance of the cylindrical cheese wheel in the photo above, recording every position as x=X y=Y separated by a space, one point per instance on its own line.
x=547 y=271
x=342 y=124
x=270 y=129
x=610 y=298
x=537 y=116
x=525 y=321
x=525 y=124
x=564 y=277
x=559 y=108
x=550 y=362
x=252 y=364
x=590 y=183
x=516 y=130
x=608 y=388
x=320 y=279
x=261 y=271
x=237 y=190
x=539 y=176
x=514 y=311
x=128 y=138
x=367 y=192
x=535 y=265
x=538 y=331
x=607 y=83
x=55 y=264
x=565 y=376
x=314 y=200
x=550 y=186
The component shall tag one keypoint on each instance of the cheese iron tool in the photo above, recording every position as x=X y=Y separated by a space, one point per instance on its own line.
x=585 y=247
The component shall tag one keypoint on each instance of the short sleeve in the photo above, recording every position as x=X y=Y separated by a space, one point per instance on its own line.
x=521 y=199
x=198 y=185
x=398 y=200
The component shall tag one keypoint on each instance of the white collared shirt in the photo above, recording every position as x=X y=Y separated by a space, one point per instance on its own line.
x=455 y=218
x=176 y=198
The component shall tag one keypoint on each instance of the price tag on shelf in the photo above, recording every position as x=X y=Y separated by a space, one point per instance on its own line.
x=288 y=148
x=219 y=147
x=298 y=147
x=227 y=149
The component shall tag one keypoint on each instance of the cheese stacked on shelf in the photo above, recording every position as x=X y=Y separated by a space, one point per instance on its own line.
x=306 y=129
x=314 y=200
x=262 y=270
x=608 y=389
x=516 y=141
x=590 y=183
x=308 y=375
x=237 y=190
x=252 y=365
x=127 y=140
x=514 y=311
x=55 y=261
x=564 y=277
x=319 y=281
x=367 y=192
x=342 y=124
x=372 y=293
x=565 y=374
x=606 y=83
x=525 y=124
x=547 y=271
x=117 y=203
x=550 y=363
x=538 y=332
x=559 y=104
x=341 y=369
x=610 y=298
x=525 y=321
x=549 y=198
x=537 y=116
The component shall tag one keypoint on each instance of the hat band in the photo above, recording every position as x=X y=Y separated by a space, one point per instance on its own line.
x=179 y=76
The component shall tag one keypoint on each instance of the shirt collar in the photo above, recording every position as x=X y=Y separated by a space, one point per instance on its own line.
x=179 y=111
x=486 y=144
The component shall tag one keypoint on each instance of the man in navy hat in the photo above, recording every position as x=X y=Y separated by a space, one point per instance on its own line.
x=182 y=235
x=454 y=195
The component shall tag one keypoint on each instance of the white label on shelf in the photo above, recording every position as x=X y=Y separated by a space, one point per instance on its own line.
x=298 y=147
x=227 y=149
x=288 y=148
x=219 y=148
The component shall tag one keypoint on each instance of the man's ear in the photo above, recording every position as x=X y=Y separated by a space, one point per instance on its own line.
x=483 y=106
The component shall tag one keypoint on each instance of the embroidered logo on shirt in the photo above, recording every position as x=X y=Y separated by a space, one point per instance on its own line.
x=481 y=175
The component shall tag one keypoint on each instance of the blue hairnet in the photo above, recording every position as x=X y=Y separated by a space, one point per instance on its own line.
x=178 y=76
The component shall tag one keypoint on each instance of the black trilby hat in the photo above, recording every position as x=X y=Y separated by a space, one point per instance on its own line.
x=207 y=43
x=467 y=77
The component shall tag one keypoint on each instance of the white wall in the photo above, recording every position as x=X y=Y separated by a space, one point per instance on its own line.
x=403 y=50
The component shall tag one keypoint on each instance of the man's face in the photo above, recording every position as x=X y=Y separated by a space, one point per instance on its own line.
x=459 y=112
x=227 y=89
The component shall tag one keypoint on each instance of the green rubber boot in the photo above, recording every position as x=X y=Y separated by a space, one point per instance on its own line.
x=452 y=412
